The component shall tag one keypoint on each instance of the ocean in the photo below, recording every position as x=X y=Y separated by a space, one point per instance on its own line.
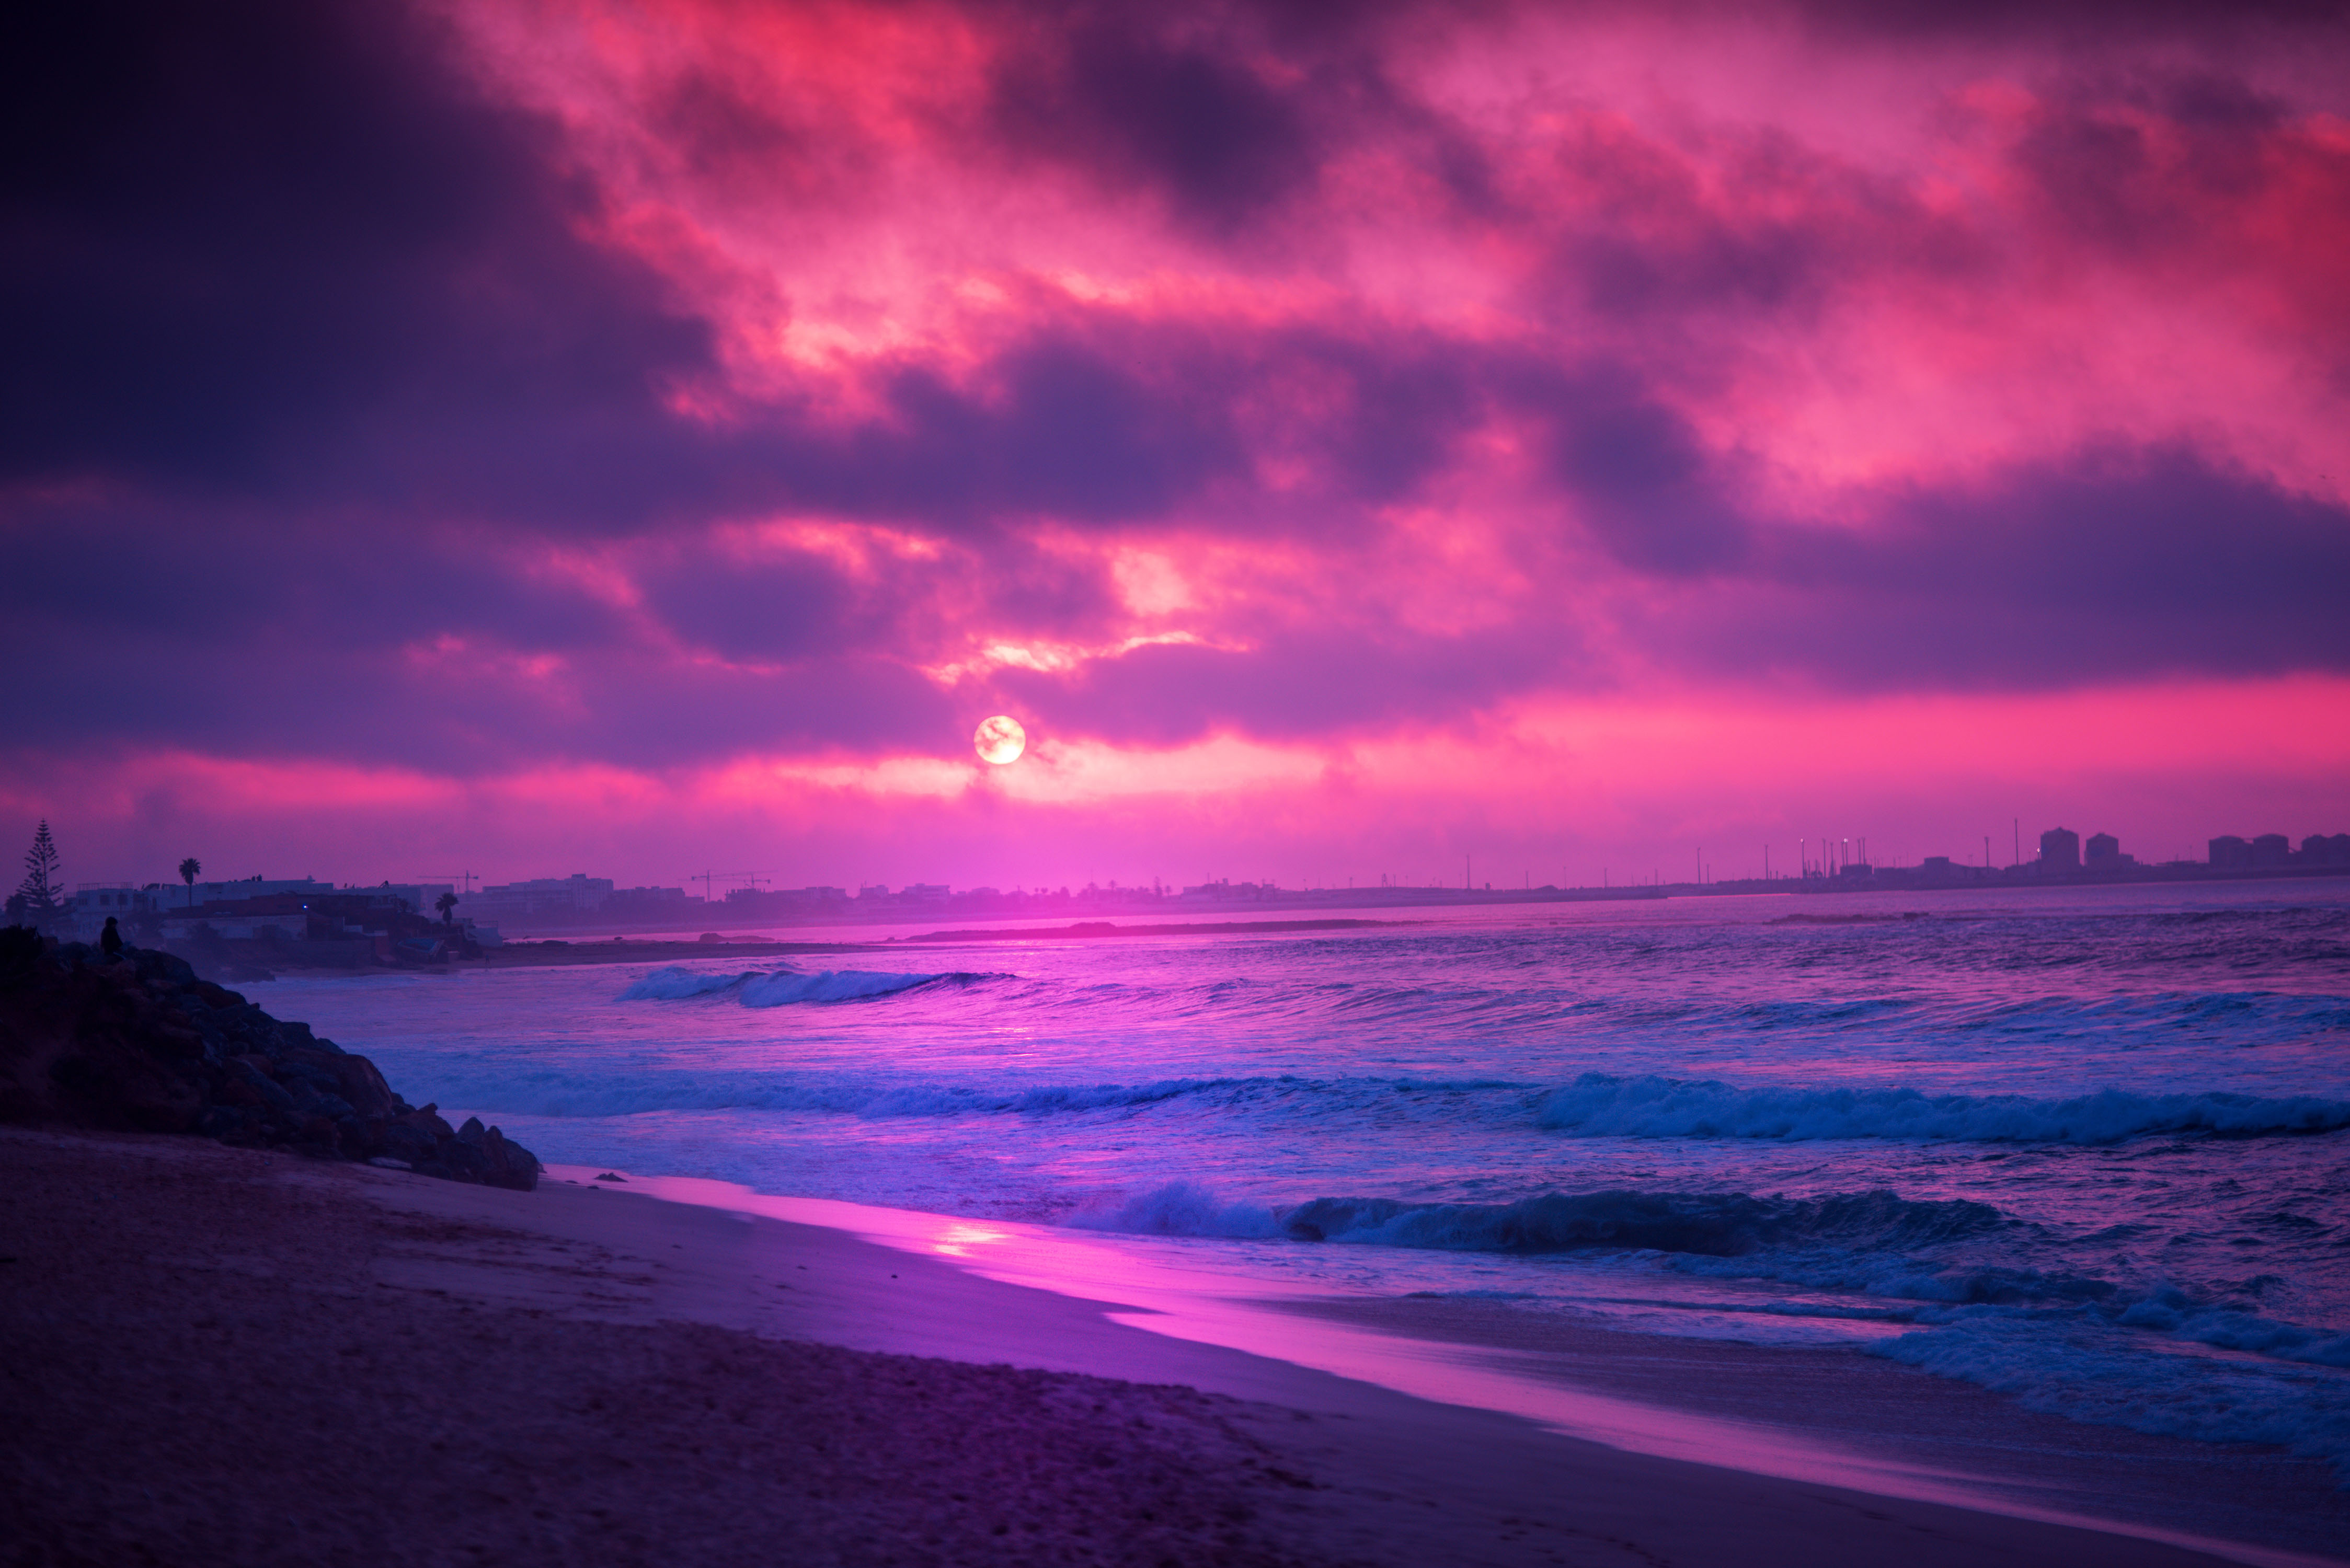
x=2087 y=1149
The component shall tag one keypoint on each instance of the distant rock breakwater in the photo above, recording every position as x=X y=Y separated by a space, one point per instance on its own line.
x=138 y=1043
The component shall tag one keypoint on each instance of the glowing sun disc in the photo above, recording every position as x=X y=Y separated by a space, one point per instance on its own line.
x=999 y=740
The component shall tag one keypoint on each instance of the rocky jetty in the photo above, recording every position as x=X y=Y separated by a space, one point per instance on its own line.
x=138 y=1043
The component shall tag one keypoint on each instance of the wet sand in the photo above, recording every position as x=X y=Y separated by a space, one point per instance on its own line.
x=216 y=1357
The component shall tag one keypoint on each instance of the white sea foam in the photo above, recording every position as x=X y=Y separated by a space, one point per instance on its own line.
x=1600 y=1104
x=545 y=1092
x=2086 y=1371
x=676 y=984
x=1178 y=1208
x=781 y=987
x=784 y=988
x=2071 y=1341
x=1711 y=1224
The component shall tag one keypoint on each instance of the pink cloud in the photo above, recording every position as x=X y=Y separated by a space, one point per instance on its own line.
x=569 y=424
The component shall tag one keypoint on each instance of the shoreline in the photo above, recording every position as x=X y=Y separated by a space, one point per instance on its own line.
x=556 y=952
x=1867 y=1427
x=192 y=1321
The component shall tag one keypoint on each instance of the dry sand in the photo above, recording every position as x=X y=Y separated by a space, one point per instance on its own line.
x=213 y=1356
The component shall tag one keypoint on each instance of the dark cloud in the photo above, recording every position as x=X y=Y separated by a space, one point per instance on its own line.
x=770 y=607
x=2092 y=22
x=2119 y=562
x=1138 y=100
x=2148 y=164
x=764 y=610
x=79 y=569
x=1633 y=471
x=400 y=648
x=1064 y=429
x=268 y=247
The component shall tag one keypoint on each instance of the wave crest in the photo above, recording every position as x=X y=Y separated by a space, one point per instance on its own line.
x=785 y=987
x=1708 y=1224
x=1599 y=1104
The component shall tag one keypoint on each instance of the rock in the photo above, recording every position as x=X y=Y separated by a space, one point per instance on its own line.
x=511 y=1165
x=334 y=1108
x=431 y=1122
x=465 y=1162
x=405 y=1140
x=143 y=1042
x=226 y=1123
x=270 y=1092
x=359 y=1082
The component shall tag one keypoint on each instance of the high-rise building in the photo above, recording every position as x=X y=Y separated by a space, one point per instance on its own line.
x=2059 y=850
x=2322 y=850
x=2272 y=849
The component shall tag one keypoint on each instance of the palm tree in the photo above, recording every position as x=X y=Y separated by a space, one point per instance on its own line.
x=446 y=903
x=188 y=872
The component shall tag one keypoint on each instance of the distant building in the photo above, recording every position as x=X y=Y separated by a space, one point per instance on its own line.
x=84 y=915
x=2318 y=849
x=650 y=904
x=2232 y=853
x=576 y=891
x=2104 y=853
x=421 y=898
x=541 y=898
x=765 y=902
x=2059 y=850
x=2272 y=849
x=170 y=895
x=117 y=898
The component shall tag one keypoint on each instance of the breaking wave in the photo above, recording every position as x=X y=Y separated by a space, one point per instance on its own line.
x=2061 y=1341
x=676 y=984
x=554 y=1092
x=1599 y=1104
x=1708 y=1224
x=785 y=987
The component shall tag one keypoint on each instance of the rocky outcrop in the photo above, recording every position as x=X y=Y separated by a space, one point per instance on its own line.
x=138 y=1043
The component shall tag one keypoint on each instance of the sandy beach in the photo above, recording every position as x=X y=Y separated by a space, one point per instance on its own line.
x=219 y=1356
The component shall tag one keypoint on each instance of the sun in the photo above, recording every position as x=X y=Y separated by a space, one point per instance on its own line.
x=999 y=740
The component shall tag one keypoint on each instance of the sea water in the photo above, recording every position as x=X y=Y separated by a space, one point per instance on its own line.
x=2089 y=1148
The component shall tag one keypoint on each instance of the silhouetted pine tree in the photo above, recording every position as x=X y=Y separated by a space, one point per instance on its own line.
x=40 y=889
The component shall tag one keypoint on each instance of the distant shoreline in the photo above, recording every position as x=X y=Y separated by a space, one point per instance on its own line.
x=1405 y=900
x=562 y=947
x=547 y=952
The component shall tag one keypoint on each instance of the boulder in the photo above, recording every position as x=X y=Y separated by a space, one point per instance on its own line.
x=404 y=1139
x=142 y=1043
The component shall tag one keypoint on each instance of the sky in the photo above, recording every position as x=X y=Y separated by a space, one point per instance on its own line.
x=1564 y=441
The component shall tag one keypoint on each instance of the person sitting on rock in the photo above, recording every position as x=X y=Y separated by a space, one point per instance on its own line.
x=110 y=941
